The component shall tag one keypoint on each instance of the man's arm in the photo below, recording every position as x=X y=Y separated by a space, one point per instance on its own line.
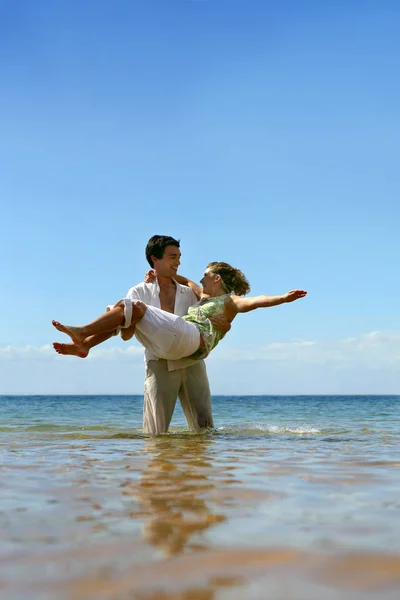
x=128 y=333
x=247 y=304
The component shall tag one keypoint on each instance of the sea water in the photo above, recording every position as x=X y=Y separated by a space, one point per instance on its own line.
x=288 y=497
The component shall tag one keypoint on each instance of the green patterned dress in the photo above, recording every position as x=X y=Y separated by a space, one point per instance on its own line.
x=199 y=314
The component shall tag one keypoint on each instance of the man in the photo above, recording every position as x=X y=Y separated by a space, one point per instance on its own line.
x=167 y=380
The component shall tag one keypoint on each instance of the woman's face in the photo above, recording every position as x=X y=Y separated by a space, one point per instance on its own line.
x=208 y=282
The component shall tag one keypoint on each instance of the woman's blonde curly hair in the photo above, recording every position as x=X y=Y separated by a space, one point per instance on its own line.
x=233 y=280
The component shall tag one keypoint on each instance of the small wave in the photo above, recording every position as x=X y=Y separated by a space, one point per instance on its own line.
x=256 y=428
x=66 y=427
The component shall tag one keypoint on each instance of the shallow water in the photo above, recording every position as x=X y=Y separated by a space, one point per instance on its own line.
x=289 y=497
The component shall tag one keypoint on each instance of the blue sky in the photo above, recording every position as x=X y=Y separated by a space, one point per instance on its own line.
x=266 y=134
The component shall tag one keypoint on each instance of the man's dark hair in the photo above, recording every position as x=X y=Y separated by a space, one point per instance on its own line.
x=156 y=246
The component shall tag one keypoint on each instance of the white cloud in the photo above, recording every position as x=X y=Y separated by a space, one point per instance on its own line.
x=27 y=352
x=367 y=364
x=47 y=353
x=373 y=350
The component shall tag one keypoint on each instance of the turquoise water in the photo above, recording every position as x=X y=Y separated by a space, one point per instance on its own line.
x=315 y=478
x=242 y=415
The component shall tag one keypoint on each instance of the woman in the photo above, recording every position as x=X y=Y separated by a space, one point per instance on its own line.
x=166 y=335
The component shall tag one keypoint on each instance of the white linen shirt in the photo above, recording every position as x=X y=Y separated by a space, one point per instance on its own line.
x=149 y=293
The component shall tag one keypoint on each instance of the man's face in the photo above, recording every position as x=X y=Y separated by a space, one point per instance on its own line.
x=167 y=266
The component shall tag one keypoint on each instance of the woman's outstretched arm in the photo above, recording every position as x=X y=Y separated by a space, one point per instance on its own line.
x=247 y=304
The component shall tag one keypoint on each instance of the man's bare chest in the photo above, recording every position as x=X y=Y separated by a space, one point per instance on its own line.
x=167 y=298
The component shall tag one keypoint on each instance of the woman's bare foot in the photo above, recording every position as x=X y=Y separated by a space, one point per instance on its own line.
x=79 y=350
x=75 y=333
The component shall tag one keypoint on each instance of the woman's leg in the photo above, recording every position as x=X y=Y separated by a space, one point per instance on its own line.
x=166 y=335
x=83 y=349
x=106 y=323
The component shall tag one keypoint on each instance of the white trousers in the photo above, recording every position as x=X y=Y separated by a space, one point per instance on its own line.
x=162 y=387
x=166 y=335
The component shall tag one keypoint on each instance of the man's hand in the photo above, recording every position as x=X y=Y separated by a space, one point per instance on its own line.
x=150 y=276
x=294 y=295
x=221 y=324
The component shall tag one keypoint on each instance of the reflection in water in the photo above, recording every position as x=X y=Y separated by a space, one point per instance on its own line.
x=262 y=516
x=171 y=493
